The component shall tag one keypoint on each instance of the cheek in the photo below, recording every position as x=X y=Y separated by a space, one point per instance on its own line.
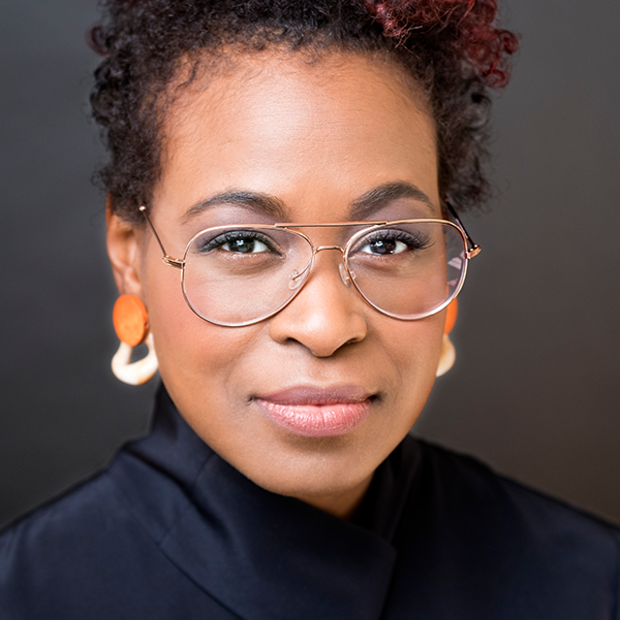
x=190 y=350
x=415 y=344
x=414 y=350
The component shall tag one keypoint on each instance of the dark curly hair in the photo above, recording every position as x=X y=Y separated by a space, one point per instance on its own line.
x=452 y=48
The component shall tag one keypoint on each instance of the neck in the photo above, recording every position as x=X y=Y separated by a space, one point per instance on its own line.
x=342 y=504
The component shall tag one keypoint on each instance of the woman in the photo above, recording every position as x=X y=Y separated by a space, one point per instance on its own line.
x=294 y=163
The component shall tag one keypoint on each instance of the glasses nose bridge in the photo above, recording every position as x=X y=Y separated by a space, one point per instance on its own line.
x=329 y=247
x=342 y=270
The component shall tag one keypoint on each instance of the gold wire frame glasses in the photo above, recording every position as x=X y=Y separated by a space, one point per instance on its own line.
x=234 y=276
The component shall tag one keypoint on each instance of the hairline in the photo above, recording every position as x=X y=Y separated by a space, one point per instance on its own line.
x=210 y=63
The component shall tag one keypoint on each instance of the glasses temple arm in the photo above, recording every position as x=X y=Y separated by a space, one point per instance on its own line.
x=166 y=258
x=475 y=249
x=142 y=209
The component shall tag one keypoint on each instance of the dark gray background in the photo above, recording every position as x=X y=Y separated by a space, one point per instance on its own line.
x=535 y=390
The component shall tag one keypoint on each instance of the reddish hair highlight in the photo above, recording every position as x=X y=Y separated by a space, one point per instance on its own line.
x=469 y=22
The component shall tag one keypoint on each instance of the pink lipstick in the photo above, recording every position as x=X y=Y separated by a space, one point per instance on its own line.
x=317 y=412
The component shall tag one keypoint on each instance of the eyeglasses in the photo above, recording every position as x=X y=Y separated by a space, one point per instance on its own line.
x=235 y=276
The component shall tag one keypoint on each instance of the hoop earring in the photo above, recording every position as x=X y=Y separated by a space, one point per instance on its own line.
x=448 y=355
x=131 y=323
x=448 y=352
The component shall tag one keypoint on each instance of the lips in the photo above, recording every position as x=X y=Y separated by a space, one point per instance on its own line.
x=317 y=412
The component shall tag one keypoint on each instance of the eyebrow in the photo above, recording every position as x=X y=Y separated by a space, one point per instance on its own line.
x=383 y=195
x=359 y=209
x=269 y=205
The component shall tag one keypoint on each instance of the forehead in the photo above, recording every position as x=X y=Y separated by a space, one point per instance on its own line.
x=308 y=132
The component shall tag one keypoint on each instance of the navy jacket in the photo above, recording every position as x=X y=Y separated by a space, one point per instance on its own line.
x=171 y=531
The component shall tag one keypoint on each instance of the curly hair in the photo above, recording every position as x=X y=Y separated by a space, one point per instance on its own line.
x=452 y=48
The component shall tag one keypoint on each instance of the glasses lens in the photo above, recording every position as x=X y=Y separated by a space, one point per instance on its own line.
x=241 y=274
x=408 y=270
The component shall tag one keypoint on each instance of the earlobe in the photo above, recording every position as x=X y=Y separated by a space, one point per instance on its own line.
x=123 y=242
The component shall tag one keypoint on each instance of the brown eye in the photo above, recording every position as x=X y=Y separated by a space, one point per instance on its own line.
x=384 y=246
x=240 y=242
x=245 y=246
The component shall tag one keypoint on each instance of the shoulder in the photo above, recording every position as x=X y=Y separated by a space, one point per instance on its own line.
x=69 y=541
x=471 y=527
x=65 y=559
x=84 y=514
x=466 y=482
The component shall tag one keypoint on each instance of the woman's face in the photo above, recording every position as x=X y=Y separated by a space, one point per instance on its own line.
x=316 y=137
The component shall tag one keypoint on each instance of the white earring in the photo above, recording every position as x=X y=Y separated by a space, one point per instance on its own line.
x=448 y=355
x=135 y=373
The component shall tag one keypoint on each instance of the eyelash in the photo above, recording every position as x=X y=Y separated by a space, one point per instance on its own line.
x=413 y=242
x=236 y=235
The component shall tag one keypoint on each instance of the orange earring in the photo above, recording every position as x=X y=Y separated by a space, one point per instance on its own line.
x=131 y=322
x=448 y=352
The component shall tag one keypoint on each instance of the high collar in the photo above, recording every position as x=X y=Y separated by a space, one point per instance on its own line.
x=260 y=554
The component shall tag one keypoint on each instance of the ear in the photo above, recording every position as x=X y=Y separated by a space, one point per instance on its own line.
x=124 y=243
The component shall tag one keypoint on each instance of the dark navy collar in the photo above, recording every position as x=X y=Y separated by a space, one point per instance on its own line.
x=260 y=554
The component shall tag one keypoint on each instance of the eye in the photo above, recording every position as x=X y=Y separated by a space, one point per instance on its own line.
x=241 y=242
x=392 y=241
x=245 y=246
x=384 y=246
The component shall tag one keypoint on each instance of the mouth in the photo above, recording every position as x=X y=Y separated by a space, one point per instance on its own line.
x=317 y=412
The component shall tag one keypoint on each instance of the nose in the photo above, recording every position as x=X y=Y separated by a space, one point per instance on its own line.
x=327 y=314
